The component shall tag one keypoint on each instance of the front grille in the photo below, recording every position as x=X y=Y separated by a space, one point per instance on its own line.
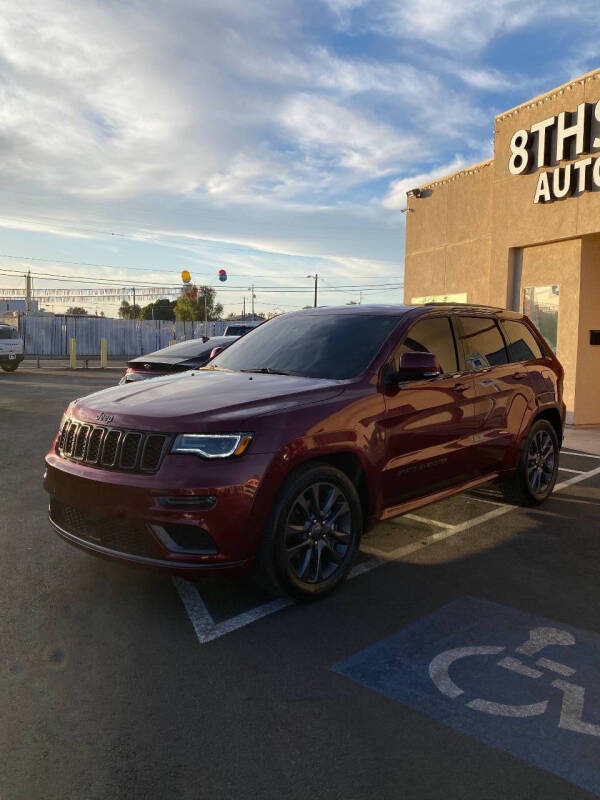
x=112 y=448
x=121 y=535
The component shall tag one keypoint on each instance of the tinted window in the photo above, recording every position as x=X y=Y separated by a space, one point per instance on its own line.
x=336 y=346
x=237 y=330
x=188 y=349
x=432 y=335
x=522 y=345
x=482 y=342
x=7 y=332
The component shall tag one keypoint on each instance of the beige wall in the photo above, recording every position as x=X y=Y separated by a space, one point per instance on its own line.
x=462 y=234
x=448 y=237
x=587 y=390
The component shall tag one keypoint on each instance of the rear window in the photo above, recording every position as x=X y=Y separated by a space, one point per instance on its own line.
x=188 y=349
x=6 y=332
x=482 y=342
x=522 y=345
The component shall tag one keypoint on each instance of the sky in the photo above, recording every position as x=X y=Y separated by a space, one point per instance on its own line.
x=273 y=138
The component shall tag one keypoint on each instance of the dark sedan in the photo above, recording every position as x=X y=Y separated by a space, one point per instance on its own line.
x=178 y=357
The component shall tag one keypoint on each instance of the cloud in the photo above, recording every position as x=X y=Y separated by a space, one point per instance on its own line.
x=279 y=129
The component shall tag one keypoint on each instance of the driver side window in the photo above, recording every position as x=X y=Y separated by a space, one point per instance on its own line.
x=432 y=335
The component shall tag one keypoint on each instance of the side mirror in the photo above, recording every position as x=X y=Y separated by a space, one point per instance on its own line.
x=215 y=352
x=414 y=367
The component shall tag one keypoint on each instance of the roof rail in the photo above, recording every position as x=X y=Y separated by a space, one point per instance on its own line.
x=465 y=305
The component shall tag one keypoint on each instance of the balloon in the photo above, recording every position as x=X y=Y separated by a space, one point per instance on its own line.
x=185 y=276
x=222 y=275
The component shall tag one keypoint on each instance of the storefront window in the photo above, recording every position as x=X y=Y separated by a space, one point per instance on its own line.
x=540 y=304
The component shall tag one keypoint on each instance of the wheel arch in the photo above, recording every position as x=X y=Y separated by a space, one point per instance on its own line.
x=552 y=415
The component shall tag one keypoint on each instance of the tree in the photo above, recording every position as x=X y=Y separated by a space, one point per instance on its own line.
x=163 y=309
x=128 y=311
x=77 y=310
x=192 y=308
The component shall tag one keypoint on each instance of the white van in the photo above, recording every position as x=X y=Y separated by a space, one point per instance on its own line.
x=12 y=349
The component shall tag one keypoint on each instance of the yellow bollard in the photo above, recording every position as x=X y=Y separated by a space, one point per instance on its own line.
x=73 y=353
x=103 y=353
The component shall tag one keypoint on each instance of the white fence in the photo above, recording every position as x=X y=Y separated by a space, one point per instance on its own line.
x=49 y=336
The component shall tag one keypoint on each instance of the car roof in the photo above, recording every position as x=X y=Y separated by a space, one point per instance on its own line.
x=399 y=309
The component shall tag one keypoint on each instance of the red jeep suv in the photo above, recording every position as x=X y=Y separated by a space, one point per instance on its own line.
x=288 y=446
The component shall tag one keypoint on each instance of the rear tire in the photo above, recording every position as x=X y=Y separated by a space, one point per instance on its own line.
x=9 y=366
x=313 y=534
x=533 y=480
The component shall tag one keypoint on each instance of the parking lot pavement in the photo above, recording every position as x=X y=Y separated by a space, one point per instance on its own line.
x=461 y=660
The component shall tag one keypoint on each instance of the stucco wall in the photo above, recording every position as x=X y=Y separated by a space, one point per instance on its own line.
x=587 y=391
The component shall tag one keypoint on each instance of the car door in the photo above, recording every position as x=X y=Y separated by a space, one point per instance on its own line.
x=502 y=388
x=428 y=423
x=527 y=358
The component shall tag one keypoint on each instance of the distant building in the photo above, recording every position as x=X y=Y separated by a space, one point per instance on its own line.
x=16 y=304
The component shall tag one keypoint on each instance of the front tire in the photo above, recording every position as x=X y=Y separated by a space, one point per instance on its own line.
x=9 y=366
x=535 y=476
x=313 y=534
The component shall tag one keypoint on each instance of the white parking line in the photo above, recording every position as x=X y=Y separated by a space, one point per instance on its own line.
x=207 y=630
x=582 y=455
x=428 y=521
x=564 y=469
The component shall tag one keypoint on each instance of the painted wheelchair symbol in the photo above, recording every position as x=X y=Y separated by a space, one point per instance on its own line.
x=573 y=695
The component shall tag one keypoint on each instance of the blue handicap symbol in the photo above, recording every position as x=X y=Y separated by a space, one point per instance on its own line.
x=516 y=681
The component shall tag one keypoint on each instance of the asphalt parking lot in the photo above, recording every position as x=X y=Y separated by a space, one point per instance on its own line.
x=462 y=659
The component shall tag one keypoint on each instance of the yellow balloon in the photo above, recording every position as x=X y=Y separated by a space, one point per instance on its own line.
x=185 y=276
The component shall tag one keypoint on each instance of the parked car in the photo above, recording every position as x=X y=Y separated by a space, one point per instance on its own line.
x=12 y=348
x=305 y=433
x=241 y=328
x=191 y=354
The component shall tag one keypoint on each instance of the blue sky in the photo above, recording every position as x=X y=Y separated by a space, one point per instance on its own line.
x=274 y=138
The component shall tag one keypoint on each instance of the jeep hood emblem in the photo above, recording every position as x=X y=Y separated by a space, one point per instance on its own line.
x=102 y=417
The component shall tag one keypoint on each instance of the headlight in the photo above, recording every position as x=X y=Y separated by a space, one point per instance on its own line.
x=211 y=445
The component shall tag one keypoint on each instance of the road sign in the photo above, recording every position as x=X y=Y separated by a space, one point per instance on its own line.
x=518 y=682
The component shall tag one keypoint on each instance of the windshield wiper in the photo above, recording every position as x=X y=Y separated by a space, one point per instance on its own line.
x=267 y=371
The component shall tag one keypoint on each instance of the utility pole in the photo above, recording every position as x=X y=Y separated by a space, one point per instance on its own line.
x=244 y=309
x=28 y=292
x=251 y=289
x=133 y=288
x=315 y=277
x=205 y=292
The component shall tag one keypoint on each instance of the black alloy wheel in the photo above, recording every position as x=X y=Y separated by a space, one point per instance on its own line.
x=534 y=478
x=541 y=459
x=313 y=533
x=318 y=532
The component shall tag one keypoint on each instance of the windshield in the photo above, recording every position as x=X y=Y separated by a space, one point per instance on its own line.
x=6 y=332
x=336 y=346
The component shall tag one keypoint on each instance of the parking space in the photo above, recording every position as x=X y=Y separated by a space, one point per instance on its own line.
x=420 y=678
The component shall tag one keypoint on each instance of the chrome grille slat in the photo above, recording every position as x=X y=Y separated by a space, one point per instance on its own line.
x=112 y=448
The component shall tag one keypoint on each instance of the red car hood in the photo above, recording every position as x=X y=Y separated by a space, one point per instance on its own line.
x=208 y=397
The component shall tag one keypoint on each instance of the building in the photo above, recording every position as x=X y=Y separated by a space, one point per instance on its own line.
x=16 y=304
x=522 y=230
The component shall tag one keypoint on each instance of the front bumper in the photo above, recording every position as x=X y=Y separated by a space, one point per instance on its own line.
x=142 y=518
x=11 y=358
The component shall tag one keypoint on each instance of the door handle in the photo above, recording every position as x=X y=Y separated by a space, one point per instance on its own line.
x=519 y=375
x=460 y=387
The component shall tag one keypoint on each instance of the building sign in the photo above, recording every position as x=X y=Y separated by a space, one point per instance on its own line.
x=439 y=298
x=565 y=136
